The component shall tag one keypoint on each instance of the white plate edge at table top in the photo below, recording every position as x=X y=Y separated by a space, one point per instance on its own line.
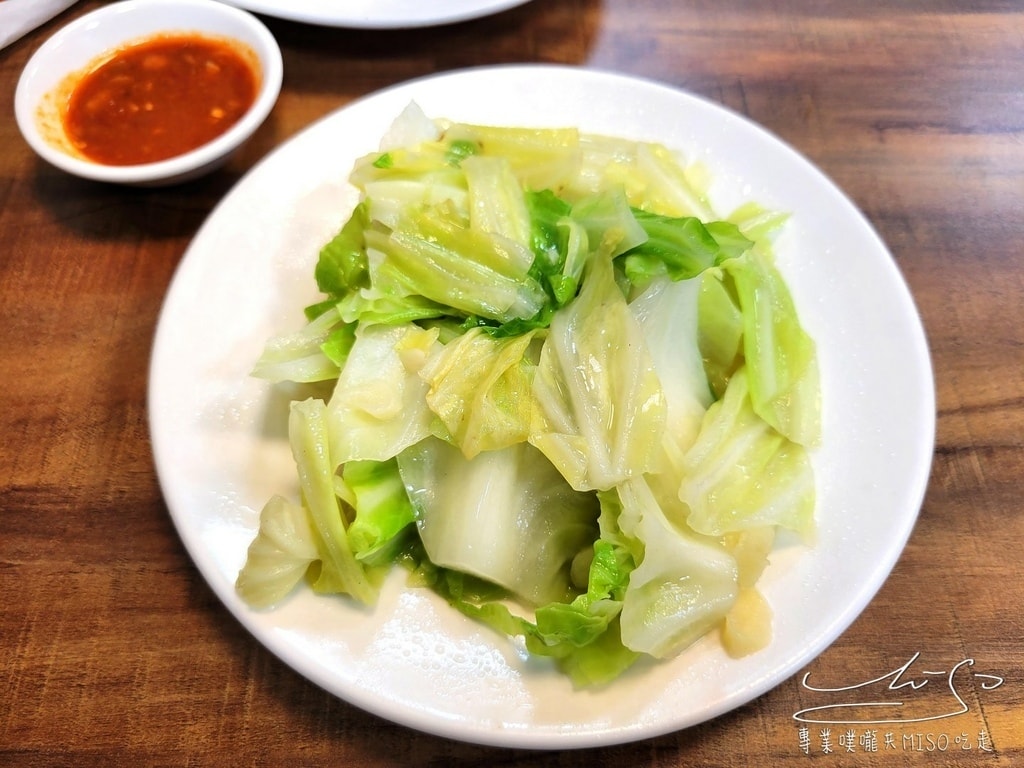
x=377 y=14
x=214 y=522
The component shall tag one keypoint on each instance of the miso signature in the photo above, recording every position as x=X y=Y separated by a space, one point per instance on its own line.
x=910 y=685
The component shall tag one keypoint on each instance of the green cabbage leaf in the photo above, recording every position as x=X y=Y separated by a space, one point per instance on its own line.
x=599 y=408
x=506 y=516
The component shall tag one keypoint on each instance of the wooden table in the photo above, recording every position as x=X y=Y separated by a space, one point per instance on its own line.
x=113 y=651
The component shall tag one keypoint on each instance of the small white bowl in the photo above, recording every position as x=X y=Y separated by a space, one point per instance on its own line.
x=77 y=45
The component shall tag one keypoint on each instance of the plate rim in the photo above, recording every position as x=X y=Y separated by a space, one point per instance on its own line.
x=308 y=13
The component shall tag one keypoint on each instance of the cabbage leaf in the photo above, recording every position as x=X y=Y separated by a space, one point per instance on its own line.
x=741 y=473
x=479 y=386
x=506 y=516
x=780 y=355
x=599 y=410
x=383 y=513
x=280 y=555
x=683 y=586
x=378 y=406
x=339 y=569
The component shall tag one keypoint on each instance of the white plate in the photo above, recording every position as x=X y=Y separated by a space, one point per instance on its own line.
x=220 y=446
x=377 y=14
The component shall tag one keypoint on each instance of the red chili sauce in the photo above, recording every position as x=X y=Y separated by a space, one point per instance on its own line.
x=159 y=98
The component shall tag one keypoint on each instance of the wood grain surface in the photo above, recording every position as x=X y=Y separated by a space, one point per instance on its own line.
x=114 y=652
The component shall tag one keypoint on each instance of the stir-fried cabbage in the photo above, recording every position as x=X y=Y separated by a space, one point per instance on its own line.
x=564 y=395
